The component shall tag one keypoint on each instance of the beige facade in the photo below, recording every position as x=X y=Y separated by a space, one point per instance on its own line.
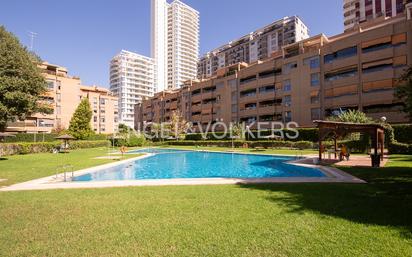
x=313 y=79
x=64 y=95
x=256 y=46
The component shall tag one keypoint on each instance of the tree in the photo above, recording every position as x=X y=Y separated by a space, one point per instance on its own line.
x=404 y=91
x=80 y=122
x=353 y=116
x=21 y=83
x=178 y=124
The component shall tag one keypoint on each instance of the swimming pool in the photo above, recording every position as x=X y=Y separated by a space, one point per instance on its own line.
x=171 y=164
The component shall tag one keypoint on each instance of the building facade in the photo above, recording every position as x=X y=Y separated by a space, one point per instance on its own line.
x=359 y=11
x=312 y=79
x=174 y=43
x=64 y=95
x=261 y=44
x=132 y=79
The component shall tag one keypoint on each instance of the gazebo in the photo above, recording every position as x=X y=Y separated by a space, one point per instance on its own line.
x=65 y=138
x=338 y=130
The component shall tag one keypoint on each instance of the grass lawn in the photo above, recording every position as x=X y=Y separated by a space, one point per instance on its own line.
x=19 y=168
x=231 y=220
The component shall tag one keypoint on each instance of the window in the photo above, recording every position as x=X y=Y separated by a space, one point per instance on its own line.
x=248 y=79
x=331 y=76
x=232 y=84
x=289 y=66
x=250 y=106
x=234 y=108
x=102 y=101
x=341 y=54
x=50 y=85
x=267 y=89
x=314 y=79
x=251 y=92
x=313 y=62
x=315 y=114
x=314 y=99
x=287 y=87
x=58 y=97
x=58 y=110
x=220 y=85
x=270 y=73
x=94 y=118
x=287 y=100
x=288 y=116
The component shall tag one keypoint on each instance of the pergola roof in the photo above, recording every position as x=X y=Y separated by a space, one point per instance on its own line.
x=65 y=137
x=347 y=125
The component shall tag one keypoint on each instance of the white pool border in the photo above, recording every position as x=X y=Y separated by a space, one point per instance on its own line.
x=332 y=175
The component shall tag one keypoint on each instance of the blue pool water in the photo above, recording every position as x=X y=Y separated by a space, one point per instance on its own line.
x=167 y=164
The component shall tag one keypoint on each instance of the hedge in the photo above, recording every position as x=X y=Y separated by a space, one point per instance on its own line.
x=305 y=134
x=46 y=137
x=251 y=144
x=400 y=148
x=45 y=147
x=403 y=133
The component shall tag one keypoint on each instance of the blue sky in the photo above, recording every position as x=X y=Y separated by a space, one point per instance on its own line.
x=83 y=35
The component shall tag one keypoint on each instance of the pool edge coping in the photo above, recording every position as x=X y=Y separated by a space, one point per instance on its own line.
x=332 y=175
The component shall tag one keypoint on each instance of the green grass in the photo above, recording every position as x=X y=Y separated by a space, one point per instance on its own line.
x=19 y=168
x=231 y=220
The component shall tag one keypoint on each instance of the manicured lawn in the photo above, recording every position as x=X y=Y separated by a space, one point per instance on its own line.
x=19 y=168
x=233 y=220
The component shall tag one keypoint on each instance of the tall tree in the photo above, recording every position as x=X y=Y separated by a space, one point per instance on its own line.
x=80 y=122
x=404 y=91
x=21 y=83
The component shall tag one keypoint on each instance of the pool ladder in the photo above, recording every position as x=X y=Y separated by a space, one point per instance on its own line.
x=65 y=170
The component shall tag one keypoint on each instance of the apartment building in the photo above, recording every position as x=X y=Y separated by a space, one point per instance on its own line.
x=174 y=43
x=261 y=44
x=312 y=79
x=132 y=79
x=359 y=11
x=64 y=95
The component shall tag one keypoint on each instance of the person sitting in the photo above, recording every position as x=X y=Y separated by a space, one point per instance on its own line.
x=344 y=153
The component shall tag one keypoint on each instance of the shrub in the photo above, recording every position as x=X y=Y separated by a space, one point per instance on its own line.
x=26 y=137
x=400 y=148
x=403 y=133
x=45 y=147
x=251 y=144
x=132 y=141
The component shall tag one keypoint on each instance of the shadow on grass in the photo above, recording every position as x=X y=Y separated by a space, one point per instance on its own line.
x=385 y=201
x=3 y=159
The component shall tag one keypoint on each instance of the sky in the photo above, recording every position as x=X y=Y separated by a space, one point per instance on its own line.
x=83 y=35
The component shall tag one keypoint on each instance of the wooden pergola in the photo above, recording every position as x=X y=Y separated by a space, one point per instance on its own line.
x=338 y=130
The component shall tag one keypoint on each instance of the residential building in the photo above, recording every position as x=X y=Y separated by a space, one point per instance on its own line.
x=259 y=45
x=132 y=79
x=174 y=43
x=359 y=11
x=64 y=95
x=312 y=79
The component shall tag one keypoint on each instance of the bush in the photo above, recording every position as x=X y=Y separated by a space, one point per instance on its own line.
x=251 y=144
x=26 y=137
x=47 y=137
x=403 y=133
x=400 y=148
x=132 y=141
x=45 y=147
